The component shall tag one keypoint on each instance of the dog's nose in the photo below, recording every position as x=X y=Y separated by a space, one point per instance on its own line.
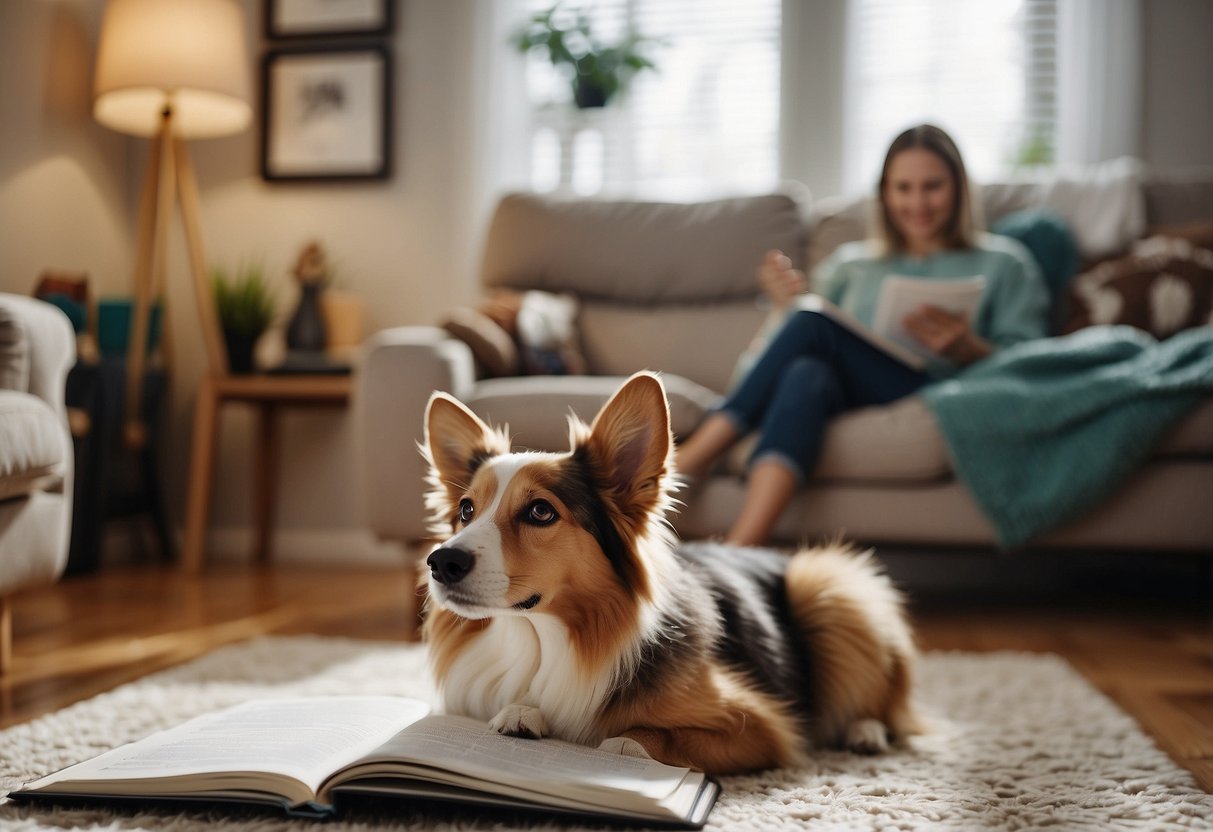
x=449 y=566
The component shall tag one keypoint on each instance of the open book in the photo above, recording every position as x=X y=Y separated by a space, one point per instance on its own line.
x=899 y=296
x=315 y=757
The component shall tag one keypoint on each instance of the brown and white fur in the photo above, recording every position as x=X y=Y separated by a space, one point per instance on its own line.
x=561 y=606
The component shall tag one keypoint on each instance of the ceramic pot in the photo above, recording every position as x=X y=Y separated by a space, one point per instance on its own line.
x=240 y=350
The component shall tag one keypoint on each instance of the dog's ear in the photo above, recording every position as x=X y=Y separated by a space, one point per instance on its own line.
x=457 y=443
x=629 y=444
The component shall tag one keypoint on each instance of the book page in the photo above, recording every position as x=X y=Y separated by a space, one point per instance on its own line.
x=900 y=296
x=472 y=748
x=303 y=739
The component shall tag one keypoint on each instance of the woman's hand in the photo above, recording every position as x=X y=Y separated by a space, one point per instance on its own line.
x=946 y=334
x=779 y=280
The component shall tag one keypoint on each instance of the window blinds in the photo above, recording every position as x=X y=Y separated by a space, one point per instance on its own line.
x=984 y=71
x=705 y=123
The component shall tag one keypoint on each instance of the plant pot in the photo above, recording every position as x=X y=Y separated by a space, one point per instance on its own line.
x=240 y=350
x=588 y=95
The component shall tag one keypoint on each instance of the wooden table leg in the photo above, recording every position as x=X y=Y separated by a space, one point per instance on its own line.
x=6 y=635
x=265 y=481
x=202 y=467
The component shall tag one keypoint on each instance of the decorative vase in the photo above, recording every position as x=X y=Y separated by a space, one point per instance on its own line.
x=305 y=332
x=240 y=350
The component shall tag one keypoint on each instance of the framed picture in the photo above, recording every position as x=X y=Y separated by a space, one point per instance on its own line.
x=326 y=113
x=314 y=18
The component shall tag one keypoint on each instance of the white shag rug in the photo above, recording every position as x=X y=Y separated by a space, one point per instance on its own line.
x=1016 y=741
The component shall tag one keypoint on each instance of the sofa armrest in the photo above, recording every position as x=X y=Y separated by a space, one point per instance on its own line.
x=399 y=370
x=40 y=349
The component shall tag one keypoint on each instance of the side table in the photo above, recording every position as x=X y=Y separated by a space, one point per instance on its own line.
x=269 y=394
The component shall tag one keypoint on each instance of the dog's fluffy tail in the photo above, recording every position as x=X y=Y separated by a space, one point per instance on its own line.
x=854 y=622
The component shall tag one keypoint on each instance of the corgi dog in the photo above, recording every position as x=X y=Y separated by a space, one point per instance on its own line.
x=560 y=605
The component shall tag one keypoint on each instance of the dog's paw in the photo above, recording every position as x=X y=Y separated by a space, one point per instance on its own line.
x=868 y=736
x=625 y=747
x=520 y=721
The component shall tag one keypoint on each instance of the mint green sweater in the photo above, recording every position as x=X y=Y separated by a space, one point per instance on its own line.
x=1014 y=306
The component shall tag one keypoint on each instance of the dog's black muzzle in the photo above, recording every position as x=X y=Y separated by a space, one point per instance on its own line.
x=450 y=566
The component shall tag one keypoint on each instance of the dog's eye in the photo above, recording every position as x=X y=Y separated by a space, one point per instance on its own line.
x=466 y=510
x=541 y=513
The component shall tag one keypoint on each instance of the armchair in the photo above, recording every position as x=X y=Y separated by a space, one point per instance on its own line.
x=37 y=348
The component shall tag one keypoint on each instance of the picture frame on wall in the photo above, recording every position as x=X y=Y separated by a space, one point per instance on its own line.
x=326 y=113
x=286 y=19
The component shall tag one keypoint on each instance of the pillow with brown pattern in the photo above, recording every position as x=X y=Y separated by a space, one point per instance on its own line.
x=1163 y=286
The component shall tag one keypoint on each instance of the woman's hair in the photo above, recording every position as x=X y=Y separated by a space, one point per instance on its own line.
x=961 y=229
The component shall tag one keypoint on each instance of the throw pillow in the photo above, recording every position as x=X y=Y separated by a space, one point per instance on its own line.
x=492 y=347
x=1199 y=233
x=547 y=335
x=1052 y=244
x=1163 y=286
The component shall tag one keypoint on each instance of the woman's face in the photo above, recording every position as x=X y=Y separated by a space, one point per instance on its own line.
x=919 y=194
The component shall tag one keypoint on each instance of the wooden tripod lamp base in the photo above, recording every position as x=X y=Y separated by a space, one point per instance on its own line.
x=171 y=72
x=169 y=180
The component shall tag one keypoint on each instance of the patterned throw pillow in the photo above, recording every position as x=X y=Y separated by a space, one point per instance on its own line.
x=1163 y=286
x=493 y=348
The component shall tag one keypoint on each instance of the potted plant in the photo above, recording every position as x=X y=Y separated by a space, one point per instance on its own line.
x=246 y=310
x=597 y=71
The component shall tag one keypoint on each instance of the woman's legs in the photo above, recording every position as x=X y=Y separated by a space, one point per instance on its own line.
x=746 y=405
x=812 y=370
x=768 y=491
x=713 y=437
x=805 y=397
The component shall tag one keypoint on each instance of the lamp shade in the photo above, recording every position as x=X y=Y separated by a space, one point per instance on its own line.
x=187 y=55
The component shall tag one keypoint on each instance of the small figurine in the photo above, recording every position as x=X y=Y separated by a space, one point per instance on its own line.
x=305 y=332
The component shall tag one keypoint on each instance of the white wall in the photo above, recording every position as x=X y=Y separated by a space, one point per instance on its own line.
x=63 y=191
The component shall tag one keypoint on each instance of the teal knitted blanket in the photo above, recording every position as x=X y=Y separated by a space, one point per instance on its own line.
x=1045 y=430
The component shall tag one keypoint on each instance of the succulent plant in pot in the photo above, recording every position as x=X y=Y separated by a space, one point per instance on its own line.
x=246 y=310
x=597 y=71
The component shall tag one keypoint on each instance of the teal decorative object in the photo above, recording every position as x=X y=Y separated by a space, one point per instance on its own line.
x=114 y=325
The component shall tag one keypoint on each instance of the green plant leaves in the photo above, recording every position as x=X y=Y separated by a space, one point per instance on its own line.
x=243 y=300
x=597 y=71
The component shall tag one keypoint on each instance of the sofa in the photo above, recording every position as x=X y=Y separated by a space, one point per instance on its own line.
x=671 y=287
x=37 y=348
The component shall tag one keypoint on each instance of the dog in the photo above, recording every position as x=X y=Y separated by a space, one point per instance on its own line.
x=560 y=605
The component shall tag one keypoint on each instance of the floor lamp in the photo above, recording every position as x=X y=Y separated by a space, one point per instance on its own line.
x=170 y=70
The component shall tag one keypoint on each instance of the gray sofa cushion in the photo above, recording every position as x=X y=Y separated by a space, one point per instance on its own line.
x=698 y=341
x=896 y=443
x=32 y=452
x=639 y=252
x=537 y=407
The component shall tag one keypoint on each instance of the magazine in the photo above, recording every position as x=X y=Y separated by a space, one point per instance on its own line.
x=899 y=296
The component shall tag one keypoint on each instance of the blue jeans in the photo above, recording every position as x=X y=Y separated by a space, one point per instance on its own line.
x=811 y=371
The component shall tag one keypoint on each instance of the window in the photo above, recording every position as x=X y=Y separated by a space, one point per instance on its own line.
x=984 y=71
x=705 y=123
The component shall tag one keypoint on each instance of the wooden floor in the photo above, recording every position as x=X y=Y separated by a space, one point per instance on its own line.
x=88 y=634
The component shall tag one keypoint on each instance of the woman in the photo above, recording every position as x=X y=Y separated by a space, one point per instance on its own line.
x=814 y=369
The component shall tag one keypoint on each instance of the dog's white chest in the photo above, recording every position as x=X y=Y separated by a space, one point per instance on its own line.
x=527 y=661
